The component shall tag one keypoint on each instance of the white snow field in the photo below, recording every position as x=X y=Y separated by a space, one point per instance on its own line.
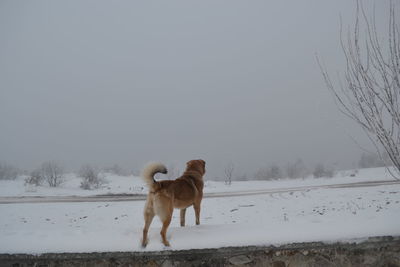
x=318 y=214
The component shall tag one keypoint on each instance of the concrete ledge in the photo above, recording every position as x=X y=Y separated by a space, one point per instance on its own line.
x=376 y=251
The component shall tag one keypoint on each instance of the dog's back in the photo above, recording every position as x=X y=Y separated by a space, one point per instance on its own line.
x=186 y=189
x=190 y=183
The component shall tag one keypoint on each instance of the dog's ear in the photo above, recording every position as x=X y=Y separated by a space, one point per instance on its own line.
x=203 y=162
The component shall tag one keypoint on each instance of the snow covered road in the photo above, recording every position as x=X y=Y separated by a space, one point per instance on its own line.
x=141 y=197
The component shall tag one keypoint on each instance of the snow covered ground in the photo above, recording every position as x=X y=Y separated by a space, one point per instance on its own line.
x=71 y=187
x=308 y=215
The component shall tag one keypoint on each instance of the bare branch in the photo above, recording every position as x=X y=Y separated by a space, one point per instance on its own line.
x=370 y=94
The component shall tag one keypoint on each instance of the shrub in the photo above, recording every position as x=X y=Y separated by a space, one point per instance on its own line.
x=91 y=177
x=52 y=173
x=34 y=178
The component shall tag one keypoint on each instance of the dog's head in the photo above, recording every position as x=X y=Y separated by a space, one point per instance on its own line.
x=197 y=165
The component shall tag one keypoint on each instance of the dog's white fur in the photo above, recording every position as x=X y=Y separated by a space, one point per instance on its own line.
x=150 y=170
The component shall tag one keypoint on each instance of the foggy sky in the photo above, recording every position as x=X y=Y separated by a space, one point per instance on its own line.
x=128 y=82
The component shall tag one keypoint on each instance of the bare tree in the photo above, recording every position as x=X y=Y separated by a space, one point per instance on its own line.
x=52 y=173
x=228 y=171
x=91 y=177
x=370 y=93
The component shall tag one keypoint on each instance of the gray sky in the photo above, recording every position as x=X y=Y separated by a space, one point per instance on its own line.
x=127 y=82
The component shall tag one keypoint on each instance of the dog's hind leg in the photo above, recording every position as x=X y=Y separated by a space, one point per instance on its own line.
x=148 y=218
x=183 y=213
x=164 y=207
x=164 y=228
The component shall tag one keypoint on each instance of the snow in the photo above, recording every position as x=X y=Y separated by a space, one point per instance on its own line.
x=324 y=214
x=114 y=184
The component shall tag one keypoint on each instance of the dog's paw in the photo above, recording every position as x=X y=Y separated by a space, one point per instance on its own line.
x=167 y=244
x=144 y=243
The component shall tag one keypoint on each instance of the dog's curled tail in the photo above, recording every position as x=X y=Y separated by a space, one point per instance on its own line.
x=150 y=170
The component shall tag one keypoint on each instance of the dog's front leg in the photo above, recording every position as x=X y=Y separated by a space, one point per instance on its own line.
x=196 y=207
x=183 y=213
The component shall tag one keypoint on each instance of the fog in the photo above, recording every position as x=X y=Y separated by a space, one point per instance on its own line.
x=128 y=82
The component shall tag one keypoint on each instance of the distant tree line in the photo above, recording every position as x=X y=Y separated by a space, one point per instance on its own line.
x=370 y=160
x=296 y=169
x=293 y=170
x=52 y=174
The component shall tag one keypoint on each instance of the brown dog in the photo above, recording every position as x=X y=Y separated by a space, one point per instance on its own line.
x=164 y=196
